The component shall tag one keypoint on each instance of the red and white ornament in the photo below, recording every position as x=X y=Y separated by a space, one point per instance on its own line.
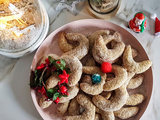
x=157 y=25
x=138 y=23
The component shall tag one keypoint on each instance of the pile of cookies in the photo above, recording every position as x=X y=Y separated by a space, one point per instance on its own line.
x=108 y=98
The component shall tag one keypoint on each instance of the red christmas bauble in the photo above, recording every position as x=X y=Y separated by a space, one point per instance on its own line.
x=57 y=100
x=63 y=89
x=106 y=67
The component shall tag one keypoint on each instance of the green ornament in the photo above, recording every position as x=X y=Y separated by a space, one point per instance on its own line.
x=96 y=78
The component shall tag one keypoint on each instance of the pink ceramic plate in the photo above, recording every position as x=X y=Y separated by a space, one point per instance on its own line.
x=86 y=27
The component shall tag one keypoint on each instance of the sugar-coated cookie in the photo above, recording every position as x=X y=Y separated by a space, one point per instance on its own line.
x=115 y=103
x=92 y=89
x=102 y=54
x=135 y=99
x=118 y=80
x=43 y=103
x=126 y=112
x=62 y=108
x=89 y=112
x=135 y=82
x=131 y=65
x=82 y=49
x=72 y=91
x=64 y=44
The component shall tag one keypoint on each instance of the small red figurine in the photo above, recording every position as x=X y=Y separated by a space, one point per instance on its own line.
x=138 y=23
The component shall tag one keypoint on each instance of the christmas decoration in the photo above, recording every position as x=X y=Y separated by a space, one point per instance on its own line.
x=138 y=23
x=96 y=78
x=157 y=25
x=44 y=71
x=63 y=89
x=57 y=100
x=64 y=77
x=106 y=67
x=42 y=91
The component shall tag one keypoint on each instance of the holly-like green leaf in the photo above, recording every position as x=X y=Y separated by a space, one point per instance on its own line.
x=63 y=63
x=60 y=65
x=56 y=95
x=51 y=92
x=36 y=75
x=57 y=66
x=51 y=60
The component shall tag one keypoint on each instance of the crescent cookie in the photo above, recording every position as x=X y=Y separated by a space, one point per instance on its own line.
x=131 y=65
x=89 y=112
x=116 y=37
x=126 y=112
x=135 y=99
x=71 y=62
x=118 y=80
x=63 y=43
x=62 y=108
x=82 y=49
x=52 y=81
x=72 y=91
x=92 y=89
x=74 y=107
x=107 y=115
x=129 y=76
x=134 y=51
x=135 y=82
x=102 y=54
x=115 y=103
x=95 y=36
x=43 y=103
x=75 y=67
